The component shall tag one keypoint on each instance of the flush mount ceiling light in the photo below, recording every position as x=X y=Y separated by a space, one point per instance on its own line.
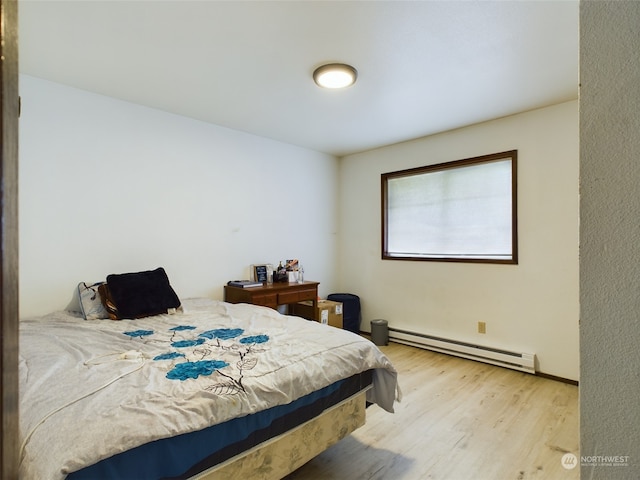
x=335 y=75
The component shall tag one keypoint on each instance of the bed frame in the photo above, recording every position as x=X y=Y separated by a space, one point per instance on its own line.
x=281 y=455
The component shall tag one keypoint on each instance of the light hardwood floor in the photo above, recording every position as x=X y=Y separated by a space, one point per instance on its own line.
x=459 y=420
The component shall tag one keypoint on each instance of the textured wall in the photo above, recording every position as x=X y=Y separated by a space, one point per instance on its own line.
x=610 y=239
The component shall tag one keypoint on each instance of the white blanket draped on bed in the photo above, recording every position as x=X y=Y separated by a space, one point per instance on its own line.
x=92 y=389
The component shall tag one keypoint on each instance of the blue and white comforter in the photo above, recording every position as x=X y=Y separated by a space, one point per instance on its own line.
x=92 y=389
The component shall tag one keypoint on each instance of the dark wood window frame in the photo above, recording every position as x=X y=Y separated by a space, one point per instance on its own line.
x=470 y=257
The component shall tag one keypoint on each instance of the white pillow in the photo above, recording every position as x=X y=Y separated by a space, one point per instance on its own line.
x=87 y=302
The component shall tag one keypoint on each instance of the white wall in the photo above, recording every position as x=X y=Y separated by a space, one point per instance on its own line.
x=530 y=307
x=110 y=187
x=610 y=239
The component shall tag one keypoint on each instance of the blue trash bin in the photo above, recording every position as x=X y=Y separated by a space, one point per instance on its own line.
x=350 y=310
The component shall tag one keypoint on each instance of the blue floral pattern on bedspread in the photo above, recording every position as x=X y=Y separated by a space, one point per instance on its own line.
x=188 y=343
x=182 y=371
x=168 y=356
x=254 y=339
x=196 y=357
x=139 y=333
x=223 y=333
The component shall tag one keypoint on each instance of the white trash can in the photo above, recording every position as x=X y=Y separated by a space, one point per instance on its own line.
x=380 y=332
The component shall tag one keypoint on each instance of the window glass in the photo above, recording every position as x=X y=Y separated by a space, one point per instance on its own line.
x=456 y=211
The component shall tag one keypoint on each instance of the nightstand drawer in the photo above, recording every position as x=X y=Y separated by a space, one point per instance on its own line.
x=288 y=297
x=309 y=294
x=270 y=300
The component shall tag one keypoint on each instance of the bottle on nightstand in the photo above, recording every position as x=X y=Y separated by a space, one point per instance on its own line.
x=281 y=274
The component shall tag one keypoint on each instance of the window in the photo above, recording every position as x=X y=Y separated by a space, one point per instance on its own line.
x=462 y=211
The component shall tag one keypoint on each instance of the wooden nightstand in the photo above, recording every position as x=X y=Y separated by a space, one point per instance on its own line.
x=272 y=295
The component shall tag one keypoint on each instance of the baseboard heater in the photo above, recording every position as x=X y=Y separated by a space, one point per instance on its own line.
x=524 y=362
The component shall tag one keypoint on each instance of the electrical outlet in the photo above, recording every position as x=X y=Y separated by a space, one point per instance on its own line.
x=482 y=327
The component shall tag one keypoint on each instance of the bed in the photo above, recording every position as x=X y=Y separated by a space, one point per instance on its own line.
x=212 y=390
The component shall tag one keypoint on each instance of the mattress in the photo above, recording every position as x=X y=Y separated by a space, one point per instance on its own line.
x=100 y=388
x=184 y=456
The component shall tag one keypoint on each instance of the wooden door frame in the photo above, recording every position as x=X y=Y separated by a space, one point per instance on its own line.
x=9 y=314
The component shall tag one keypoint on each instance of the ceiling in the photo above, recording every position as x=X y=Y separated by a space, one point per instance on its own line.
x=423 y=66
